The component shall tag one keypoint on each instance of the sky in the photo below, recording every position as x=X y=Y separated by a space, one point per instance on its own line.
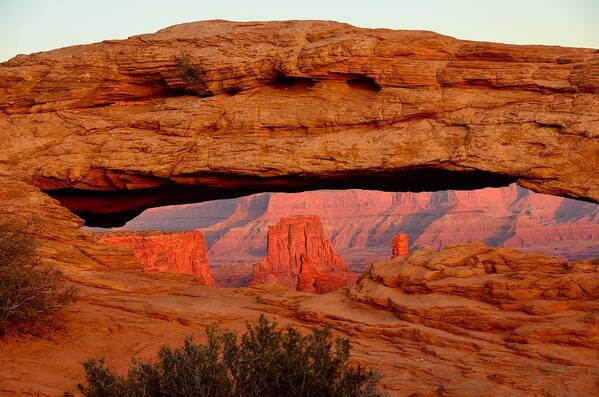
x=28 y=26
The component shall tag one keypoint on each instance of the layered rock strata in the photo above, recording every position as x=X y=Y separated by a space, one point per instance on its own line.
x=473 y=320
x=213 y=109
x=183 y=252
x=298 y=256
x=467 y=321
x=361 y=224
x=218 y=109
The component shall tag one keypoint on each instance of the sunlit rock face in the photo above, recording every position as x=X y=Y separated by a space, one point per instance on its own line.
x=300 y=257
x=468 y=320
x=106 y=130
x=361 y=224
x=166 y=252
x=399 y=245
x=112 y=128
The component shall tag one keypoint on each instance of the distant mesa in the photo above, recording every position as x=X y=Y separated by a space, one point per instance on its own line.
x=362 y=223
x=300 y=257
x=183 y=252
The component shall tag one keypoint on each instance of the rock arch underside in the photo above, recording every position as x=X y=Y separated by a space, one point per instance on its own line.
x=95 y=134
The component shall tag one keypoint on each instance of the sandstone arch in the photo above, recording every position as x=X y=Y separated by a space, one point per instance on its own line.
x=217 y=109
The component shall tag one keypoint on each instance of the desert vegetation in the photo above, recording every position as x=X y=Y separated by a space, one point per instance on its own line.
x=29 y=290
x=264 y=361
x=186 y=68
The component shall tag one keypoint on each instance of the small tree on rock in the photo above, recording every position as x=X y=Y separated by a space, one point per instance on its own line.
x=28 y=290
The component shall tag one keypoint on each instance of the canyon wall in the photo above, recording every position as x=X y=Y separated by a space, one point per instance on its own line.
x=361 y=224
x=166 y=252
x=300 y=257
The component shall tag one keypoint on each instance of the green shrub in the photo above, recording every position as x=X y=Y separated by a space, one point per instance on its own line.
x=28 y=290
x=264 y=362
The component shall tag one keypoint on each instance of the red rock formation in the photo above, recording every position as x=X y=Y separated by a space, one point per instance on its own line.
x=400 y=245
x=166 y=252
x=121 y=117
x=308 y=277
x=115 y=127
x=362 y=223
x=300 y=257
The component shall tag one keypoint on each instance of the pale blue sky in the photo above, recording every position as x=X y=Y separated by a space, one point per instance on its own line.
x=35 y=25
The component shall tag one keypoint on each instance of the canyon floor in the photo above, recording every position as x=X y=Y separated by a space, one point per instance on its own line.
x=466 y=321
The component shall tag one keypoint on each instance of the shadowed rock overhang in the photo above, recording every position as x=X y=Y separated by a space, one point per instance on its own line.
x=217 y=109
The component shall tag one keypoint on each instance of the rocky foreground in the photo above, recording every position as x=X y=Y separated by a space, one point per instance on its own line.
x=467 y=321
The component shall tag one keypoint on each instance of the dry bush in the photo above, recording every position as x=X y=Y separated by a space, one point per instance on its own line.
x=28 y=290
x=264 y=362
x=186 y=68
x=278 y=67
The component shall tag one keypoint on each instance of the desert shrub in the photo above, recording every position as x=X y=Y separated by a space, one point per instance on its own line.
x=278 y=67
x=186 y=69
x=28 y=290
x=264 y=362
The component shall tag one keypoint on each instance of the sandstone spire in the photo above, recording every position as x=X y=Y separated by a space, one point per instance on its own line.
x=300 y=257
x=400 y=245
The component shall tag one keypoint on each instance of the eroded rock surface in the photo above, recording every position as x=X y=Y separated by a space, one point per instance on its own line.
x=466 y=321
x=490 y=290
x=115 y=127
x=473 y=320
x=212 y=109
x=298 y=256
x=183 y=252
